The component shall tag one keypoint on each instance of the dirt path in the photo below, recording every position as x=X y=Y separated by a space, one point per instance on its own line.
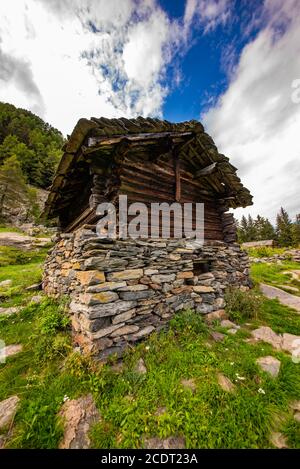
x=21 y=241
x=285 y=298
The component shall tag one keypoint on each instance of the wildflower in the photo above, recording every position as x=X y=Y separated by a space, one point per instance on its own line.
x=66 y=398
x=241 y=378
x=261 y=391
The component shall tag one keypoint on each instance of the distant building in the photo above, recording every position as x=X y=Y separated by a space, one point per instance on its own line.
x=259 y=244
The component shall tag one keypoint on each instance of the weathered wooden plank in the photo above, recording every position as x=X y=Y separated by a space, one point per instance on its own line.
x=206 y=171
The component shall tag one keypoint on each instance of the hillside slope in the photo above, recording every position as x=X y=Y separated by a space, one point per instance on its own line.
x=30 y=150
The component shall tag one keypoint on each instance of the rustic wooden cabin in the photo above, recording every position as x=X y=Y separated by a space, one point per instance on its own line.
x=122 y=291
x=150 y=161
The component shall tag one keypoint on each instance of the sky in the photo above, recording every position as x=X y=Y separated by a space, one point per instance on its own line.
x=232 y=64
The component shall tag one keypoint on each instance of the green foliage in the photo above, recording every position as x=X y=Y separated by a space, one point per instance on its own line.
x=272 y=273
x=10 y=256
x=24 y=268
x=51 y=339
x=242 y=305
x=40 y=429
x=296 y=231
x=156 y=404
x=255 y=230
x=286 y=233
x=284 y=228
x=35 y=144
x=264 y=251
x=188 y=320
x=13 y=187
x=276 y=275
x=52 y=321
x=279 y=317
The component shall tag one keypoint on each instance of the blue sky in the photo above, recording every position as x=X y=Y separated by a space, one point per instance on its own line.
x=233 y=64
x=204 y=69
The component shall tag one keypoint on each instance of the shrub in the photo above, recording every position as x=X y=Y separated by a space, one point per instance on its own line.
x=264 y=251
x=51 y=338
x=242 y=305
x=54 y=320
x=188 y=320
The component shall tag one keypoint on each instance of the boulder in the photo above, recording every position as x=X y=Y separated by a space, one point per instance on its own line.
x=270 y=365
x=8 y=409
x=78 y=416
x=225 y=383
x=266 y=334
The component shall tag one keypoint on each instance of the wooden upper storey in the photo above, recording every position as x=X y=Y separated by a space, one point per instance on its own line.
x=149 y=160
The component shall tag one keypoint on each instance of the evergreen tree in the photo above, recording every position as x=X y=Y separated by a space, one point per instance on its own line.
x=12 y=183
x=296 y=230
x=251 y=230
x=284 y=228
x=36 y=144
x=264 y=229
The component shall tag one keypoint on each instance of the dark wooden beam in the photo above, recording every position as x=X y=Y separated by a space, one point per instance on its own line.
x=177 y=178
x=92 y=141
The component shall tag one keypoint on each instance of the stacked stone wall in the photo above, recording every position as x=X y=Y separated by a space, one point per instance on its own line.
x=122 y=290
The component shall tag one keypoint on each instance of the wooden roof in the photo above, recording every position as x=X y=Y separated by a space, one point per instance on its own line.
x=107 y=138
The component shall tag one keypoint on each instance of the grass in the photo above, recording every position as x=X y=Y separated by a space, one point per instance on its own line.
x=264 y=251
x=209 y=418
x=10 y=229
x=24 y=268
x=272 y=274
x=134 y=407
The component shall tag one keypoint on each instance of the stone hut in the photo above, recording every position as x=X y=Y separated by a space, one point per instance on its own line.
x=123 y=289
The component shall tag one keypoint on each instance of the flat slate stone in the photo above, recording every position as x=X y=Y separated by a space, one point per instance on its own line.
x=8 y=409
x=5 y=283
x=217 y=336
x=229 y=324
x=78 y=416
x=285 y=298
x=266 y=334
x=270 y=365
x=9 y=311
x=189 y=384
x=173 y=442
x=11 y=350
x=295 y=405
x=278 y=440
x=225 y=383
x=140 y=367
x=290 y=342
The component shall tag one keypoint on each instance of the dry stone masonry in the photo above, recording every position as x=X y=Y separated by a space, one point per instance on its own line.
x=122 y=290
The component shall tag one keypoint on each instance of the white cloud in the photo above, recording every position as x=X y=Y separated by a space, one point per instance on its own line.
x=85 y=57
x=210 y=13
x=255 y=121
x=72 y=58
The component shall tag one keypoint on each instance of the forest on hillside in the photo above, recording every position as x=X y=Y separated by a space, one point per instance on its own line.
x=35 y=144
x=30 y=150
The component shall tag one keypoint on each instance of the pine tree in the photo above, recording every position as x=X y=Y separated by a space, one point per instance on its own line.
x=264 y=229
x=284 y=228
x=13 y=187
x=242 y=228
x=296 y=230
x=251 y=230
